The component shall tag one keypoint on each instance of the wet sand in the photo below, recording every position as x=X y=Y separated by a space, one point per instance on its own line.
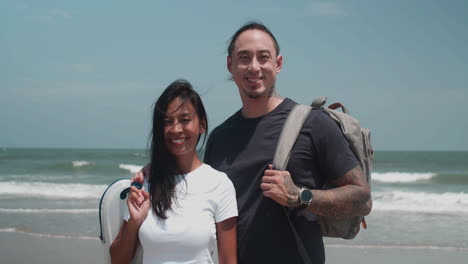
x=26 y=248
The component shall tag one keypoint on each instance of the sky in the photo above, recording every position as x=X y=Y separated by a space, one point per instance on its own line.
x=85 y=74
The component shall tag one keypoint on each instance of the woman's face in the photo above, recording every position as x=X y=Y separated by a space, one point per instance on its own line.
x=182 y=129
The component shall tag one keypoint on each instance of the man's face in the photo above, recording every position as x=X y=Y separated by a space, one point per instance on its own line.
x=254 y=64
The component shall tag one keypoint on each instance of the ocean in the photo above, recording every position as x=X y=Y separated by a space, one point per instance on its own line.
x=420 y=199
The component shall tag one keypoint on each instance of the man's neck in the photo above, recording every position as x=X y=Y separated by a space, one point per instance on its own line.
x=253 y=108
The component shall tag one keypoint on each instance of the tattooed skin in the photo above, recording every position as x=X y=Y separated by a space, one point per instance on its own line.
x=293 y=192
x=279 y=186
x=351 y=197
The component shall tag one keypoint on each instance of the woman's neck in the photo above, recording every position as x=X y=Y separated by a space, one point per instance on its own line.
x=186 y=165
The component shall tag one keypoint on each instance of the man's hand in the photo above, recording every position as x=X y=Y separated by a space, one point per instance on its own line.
x=279 y=186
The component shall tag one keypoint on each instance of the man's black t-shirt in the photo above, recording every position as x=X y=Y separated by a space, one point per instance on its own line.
x=243 y=148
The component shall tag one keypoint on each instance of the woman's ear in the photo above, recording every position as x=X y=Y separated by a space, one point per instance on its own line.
x=203 y=126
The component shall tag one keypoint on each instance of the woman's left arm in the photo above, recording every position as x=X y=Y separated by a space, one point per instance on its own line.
x=226 y=232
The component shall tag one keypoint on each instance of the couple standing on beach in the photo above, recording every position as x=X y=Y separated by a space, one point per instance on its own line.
x=235 y=197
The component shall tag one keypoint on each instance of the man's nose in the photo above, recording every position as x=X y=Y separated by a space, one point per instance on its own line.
x=254 y=65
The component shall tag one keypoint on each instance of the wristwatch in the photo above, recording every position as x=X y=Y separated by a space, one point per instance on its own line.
x=305 y=197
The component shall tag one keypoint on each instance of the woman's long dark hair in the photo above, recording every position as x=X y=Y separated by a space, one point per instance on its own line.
x=163 y=169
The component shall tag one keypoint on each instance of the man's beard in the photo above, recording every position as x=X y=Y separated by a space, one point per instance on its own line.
x=268 y=93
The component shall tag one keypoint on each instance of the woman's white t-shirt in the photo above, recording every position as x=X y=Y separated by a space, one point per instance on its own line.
x=205 y=196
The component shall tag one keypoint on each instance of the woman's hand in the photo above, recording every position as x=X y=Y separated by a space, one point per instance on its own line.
x=125 y=243
x=138 y=205
x=139 y=177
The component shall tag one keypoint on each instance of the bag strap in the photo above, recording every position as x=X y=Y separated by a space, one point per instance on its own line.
x=291 y=129
x=300 y=246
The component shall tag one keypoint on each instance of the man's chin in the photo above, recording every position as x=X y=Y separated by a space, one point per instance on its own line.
x=260 y=93
x=255 y=95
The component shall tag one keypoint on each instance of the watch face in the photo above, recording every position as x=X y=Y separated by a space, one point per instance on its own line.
x=306 y=196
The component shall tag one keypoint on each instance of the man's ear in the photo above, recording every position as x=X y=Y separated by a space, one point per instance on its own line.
x=229 y=63
x=279 y=63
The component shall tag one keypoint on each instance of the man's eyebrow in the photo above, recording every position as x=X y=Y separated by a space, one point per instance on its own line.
x=242 y=52
x=265 y=51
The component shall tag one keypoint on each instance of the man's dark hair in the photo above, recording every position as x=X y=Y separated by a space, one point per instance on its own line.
x=251 y=26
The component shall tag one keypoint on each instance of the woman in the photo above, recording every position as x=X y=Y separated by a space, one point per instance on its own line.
x=190 y=206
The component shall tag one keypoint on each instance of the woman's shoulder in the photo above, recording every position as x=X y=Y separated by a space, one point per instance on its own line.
x=211 y=178
x=212 y=173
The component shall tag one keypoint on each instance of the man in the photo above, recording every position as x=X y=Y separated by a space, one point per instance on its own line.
x=244 y=145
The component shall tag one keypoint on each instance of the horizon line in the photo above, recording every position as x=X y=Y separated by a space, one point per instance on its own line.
x=146 y=149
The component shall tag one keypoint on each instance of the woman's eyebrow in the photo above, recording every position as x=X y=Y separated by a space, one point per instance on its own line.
x=185 y=114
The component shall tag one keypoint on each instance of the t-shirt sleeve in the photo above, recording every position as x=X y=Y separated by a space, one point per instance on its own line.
x=335 y=156
x=226 y=204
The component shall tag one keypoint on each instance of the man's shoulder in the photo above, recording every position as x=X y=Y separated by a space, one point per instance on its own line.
x=225 y=126
x=320 y=124
x=320 y=118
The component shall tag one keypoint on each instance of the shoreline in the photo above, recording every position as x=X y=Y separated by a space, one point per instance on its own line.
x=27 y=247
x=396 y=247
x=25 y=232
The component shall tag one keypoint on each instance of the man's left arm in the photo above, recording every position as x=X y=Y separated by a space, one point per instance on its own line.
x=351 y=197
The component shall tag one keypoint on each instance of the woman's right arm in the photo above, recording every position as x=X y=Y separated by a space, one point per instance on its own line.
x=124 y=245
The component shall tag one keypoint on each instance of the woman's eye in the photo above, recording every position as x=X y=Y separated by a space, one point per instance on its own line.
x=185 y=120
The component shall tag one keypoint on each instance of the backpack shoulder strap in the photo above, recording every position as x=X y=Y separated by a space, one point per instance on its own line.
x=292 y=127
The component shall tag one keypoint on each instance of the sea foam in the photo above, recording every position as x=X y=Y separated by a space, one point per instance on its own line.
x=422 y=202
x=48 y=210
x=81 y=163
x=23 y=230
x=401 y=177
x=51 y=190
x=131 y=168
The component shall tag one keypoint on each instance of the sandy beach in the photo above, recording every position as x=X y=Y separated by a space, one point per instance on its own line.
x=26 y=248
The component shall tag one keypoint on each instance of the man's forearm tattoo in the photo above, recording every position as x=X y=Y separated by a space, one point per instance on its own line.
x=293 y=192
x=352 y=198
